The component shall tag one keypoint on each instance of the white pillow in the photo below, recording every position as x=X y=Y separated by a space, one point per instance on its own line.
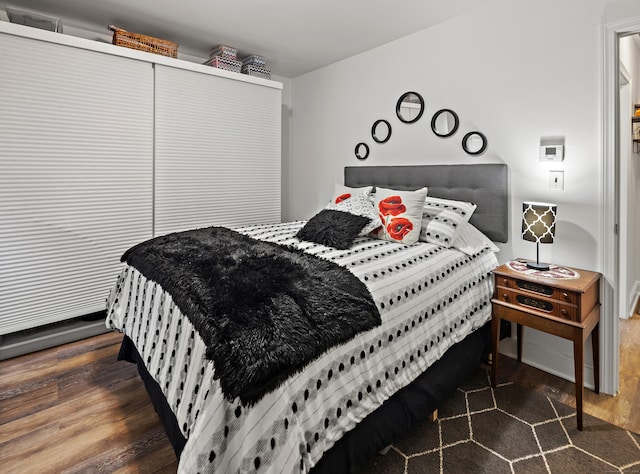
x=472 y=241
x=360 y=205
x=400 y=213
x=443 y=219
x=340 y=192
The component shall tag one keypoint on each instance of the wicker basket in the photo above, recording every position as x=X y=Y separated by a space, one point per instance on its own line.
x=143 y=42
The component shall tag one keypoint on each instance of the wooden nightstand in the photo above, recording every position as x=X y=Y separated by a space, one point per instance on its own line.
x=566 y=308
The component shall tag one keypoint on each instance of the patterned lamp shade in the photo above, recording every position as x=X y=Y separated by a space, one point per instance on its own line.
x=539 y=226
x=538 y=222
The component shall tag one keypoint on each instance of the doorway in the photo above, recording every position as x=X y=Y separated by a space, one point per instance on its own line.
x=613 y=255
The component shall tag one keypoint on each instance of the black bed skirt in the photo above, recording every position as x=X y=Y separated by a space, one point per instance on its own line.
x=397 y=416
x=129 y=353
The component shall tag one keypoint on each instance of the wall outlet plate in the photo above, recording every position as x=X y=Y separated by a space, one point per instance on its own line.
x=556 y=180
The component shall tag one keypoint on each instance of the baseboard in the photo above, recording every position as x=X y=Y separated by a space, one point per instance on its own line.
x=550 y=358
x=25 y=342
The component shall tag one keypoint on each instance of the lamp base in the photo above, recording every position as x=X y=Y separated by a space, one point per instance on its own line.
x=538 y=266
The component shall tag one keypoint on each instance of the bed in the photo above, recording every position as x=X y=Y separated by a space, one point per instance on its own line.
x=354 y=398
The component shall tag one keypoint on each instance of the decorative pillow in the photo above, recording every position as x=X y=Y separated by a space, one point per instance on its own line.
x=333 y=228
x=400 y=213
x=472 y=241
x=442 y=220
x=340 y=192
x=360 y=205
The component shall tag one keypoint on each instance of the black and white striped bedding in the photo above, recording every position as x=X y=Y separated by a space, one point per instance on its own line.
x=429 y=298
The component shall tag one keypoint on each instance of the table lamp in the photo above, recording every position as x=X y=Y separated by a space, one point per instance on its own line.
x=539 y=226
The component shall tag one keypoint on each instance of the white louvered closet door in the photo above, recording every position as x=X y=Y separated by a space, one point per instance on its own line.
x=217 y=151
x=76 y=150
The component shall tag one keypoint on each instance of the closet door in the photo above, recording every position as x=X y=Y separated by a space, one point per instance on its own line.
x=75 y=177
x=217 y=155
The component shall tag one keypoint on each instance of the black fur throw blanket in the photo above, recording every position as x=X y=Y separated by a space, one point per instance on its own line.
x=263 y=310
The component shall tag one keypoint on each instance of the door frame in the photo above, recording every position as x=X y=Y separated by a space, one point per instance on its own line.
x=624 y=149
x=610 y=255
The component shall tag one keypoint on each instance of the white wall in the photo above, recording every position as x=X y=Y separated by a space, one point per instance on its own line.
x=515 y=70
x=630 y=59
x=615 y=10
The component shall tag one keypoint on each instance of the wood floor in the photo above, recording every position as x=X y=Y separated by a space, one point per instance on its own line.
x=75 y=409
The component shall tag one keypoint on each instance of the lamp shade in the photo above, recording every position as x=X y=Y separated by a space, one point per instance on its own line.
x=538 y=222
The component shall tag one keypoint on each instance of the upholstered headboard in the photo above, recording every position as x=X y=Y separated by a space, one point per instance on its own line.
x=485 y=185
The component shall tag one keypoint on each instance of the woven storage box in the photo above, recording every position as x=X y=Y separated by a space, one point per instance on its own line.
x=143 y=42
x=223 y=62
x=256 y=71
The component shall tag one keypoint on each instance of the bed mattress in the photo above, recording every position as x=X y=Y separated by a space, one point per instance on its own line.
x=428 y=297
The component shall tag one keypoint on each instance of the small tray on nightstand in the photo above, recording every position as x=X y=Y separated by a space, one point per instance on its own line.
x=555 y=272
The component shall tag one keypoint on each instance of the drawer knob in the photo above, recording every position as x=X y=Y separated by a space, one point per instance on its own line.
x=565 y=296
x=505 y=282
x=505 y=296
x=564 y=312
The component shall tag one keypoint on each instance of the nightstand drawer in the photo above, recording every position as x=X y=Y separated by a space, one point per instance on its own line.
x=538 y=304
x=538 y=289
x=566 y=296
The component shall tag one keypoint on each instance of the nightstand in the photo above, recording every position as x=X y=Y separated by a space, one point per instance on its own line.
x=568 y=308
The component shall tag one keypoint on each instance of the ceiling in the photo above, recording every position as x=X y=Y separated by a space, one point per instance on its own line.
x=296 y=36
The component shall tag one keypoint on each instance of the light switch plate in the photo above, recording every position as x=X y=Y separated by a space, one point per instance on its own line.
x=556 y=180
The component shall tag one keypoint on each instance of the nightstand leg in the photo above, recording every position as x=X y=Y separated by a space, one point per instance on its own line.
x=495 y=339
x=519 y=341
x=595 y=347
x=578 y=357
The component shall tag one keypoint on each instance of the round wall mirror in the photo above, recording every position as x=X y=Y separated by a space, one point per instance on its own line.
x=381 y=131
x=444 y=123
x=410 y=107
x=362 y=151
x=474 y=143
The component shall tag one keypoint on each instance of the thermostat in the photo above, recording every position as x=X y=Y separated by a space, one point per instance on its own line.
x=551 y=153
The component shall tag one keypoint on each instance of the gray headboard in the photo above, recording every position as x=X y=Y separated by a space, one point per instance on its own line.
x=483 y=184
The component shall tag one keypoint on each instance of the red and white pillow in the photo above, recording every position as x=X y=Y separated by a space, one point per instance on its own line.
x=355 y=201
x=342 y=193
x=400 y=213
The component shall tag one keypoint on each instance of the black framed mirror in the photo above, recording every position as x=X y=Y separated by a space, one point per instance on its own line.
x=410 y=107
x=444 y=123
x=362 y=151
x=381 y=131
x=474 y=143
